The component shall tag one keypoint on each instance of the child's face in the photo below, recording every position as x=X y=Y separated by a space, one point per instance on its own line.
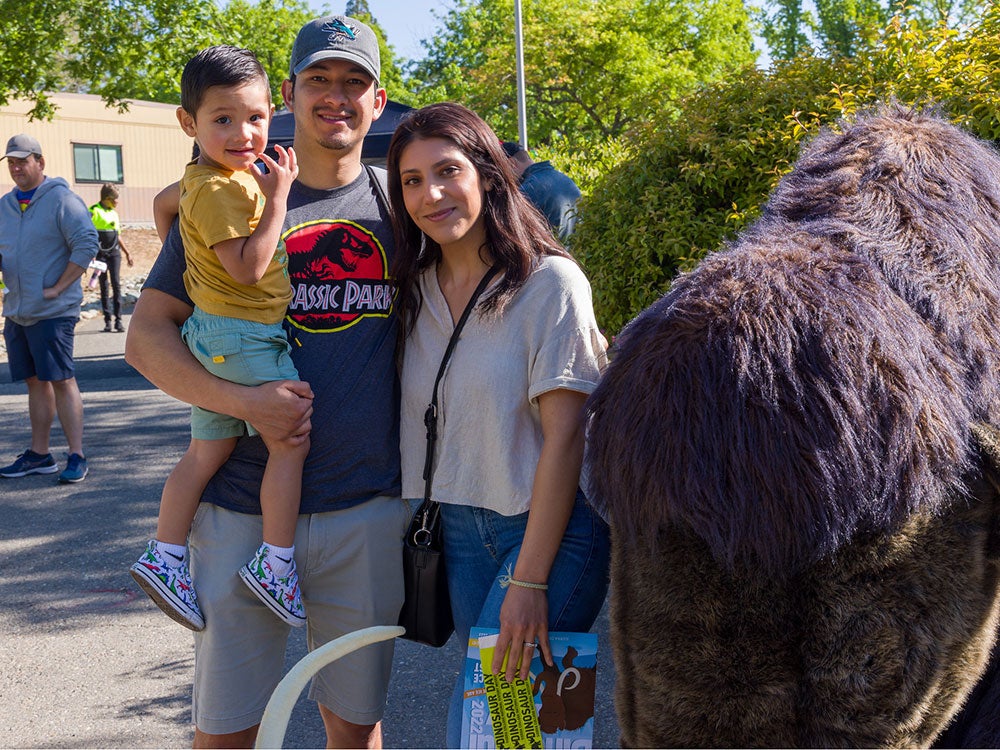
x=230 y=125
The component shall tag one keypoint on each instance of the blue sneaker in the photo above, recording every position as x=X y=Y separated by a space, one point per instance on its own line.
x=76 y=469
x=30 y=462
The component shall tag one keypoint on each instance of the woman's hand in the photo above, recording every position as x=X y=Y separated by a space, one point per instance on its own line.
x=525 y=611
x=524 y=622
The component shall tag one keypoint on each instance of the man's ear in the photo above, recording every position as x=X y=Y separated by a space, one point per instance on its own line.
x=186 y=121
x=380 y=100
x=287 y=91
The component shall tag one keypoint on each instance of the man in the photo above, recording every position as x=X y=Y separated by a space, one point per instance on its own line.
x=553 y=193
x=46 y=243
x=343 y=332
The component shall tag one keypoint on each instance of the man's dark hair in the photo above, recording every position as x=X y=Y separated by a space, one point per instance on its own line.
x=221 y=65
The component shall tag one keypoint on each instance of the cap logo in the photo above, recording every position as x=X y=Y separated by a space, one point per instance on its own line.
x=337 y=28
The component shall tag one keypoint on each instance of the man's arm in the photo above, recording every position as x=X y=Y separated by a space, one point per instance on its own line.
x=155 y=348
x=68 y=276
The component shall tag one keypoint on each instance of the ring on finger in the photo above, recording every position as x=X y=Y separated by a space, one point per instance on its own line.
x=531 y=644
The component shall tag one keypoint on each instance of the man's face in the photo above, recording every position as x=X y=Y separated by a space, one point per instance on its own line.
x=27 y=173
x=334 y=103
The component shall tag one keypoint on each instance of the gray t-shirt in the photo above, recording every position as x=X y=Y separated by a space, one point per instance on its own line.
x=343 y=330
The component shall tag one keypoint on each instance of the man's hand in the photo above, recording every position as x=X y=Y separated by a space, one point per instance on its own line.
x=280 y=410
x=70 y=274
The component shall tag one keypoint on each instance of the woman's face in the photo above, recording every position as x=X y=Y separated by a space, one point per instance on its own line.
x=442 y=192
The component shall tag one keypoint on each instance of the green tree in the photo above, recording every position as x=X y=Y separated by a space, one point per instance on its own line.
x=133 y=49
x=592 y=68
x=689 y=183
x=843 y=27
x=784 y=26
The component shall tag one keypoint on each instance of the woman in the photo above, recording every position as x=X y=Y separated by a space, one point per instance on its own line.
x=105 y=219
x=524 y=551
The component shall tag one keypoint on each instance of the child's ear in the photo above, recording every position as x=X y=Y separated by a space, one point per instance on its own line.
x=186 y=121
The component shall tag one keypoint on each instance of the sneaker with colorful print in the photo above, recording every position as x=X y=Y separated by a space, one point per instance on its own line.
x=169 y=586
x=280 y=594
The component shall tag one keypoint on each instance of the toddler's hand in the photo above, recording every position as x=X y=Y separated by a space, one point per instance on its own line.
x=280 y=175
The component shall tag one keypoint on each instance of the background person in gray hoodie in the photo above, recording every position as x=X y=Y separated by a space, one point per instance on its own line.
x=46 y=243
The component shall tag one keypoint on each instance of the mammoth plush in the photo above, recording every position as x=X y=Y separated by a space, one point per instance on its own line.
x=798 y=450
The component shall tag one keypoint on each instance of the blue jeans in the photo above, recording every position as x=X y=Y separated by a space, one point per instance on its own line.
x=480 y=544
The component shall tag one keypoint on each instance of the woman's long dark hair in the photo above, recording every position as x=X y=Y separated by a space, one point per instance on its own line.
x=517 y=235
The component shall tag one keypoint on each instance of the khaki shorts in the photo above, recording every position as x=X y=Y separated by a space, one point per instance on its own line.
x=350 y=572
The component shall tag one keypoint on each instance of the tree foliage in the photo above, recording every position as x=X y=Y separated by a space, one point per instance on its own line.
x=592 y=68
x=136 y=49
x=843 y=27
x=694 y=181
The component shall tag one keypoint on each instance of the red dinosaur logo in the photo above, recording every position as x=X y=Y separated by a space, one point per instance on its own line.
x=339 y=275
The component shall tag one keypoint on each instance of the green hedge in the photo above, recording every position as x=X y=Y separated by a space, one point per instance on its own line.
x=689 y=184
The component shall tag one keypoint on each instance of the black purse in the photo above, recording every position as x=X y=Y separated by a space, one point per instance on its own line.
x=426 y=612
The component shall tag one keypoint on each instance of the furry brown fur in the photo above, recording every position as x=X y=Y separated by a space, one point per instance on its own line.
x=920 y=199
x=805 y=542
x=805 y=405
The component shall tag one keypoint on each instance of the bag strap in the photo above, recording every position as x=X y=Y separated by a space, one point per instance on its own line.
x=379 y=187
x=431 y=415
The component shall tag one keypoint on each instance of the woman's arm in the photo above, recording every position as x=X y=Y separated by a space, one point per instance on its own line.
x=524 y=614
x=128 y=256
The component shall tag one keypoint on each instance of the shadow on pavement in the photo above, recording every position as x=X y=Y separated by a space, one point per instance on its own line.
x=88 y=660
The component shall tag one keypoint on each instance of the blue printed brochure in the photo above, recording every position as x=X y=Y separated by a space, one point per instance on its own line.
x=563 y=695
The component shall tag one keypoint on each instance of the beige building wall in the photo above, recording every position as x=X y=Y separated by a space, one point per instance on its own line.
x=154 y=149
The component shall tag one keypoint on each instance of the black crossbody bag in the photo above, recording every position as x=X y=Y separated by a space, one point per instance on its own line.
x=426 y=612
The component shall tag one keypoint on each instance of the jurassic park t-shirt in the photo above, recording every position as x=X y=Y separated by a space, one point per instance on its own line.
x=343 y=328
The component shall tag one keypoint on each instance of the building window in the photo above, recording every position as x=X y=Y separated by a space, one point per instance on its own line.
x=95 y=163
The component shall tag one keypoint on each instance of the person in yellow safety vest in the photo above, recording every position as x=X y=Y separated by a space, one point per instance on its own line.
x=105 y=219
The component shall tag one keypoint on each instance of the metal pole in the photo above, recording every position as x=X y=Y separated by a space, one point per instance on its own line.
x=522 y=117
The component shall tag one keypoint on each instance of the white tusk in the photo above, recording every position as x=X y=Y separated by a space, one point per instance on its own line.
x=283 y=699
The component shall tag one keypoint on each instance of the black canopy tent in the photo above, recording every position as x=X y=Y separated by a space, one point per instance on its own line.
x=376 y=145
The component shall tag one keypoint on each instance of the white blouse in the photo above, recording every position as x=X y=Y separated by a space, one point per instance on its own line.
x=489 y=428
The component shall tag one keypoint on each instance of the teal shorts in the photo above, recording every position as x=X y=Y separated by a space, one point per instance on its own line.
x=240 y=351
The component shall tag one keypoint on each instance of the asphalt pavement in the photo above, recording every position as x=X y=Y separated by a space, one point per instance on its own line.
x=87 y=660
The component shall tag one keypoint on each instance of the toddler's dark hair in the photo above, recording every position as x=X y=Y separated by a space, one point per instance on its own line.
x=221 y=65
